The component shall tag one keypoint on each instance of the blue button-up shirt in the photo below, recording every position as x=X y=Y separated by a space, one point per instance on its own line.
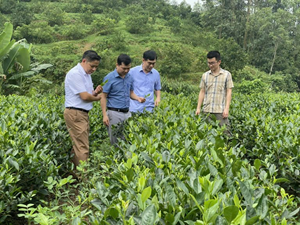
x=143 y=85
x=76 y=82
x=118 y=90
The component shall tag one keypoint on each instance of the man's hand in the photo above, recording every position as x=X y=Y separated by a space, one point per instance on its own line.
x=106 y=120
x=98 y=90
x=157 y=101
x=226 y=113
x=198 y=111
x=141 y=99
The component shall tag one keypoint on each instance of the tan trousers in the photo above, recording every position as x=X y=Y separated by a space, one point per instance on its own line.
x=78 y=126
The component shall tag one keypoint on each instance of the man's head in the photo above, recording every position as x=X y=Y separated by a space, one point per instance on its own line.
x=123 y=64
x=149 y=60
x=213 y=60
x=90 y=61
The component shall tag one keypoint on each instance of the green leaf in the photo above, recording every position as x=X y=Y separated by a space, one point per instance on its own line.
x=76 y=221
x=40 y=67
x=252 y=220
x=103 y=83
x=149 y=215
x=10 y=60
x=42 y=219
x=246 y=193
x=146 y=194
x=146 y=96
x=5 y=37
x=217 y=185
x=257 y=164
x=171 y=196
x=13 y=163
x=210 y=210
x=262 y=207
x=230 y=212
x=181 y=185
x=23 y=58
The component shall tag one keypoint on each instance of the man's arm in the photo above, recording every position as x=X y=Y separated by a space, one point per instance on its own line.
x=228 y=100
x=85 y=96
x=200 y=100
x=135 y=97
x=103 y=107
x=157 y=100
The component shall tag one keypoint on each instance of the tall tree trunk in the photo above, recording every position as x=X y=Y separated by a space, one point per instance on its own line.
x=247 y=26
x=274 y=57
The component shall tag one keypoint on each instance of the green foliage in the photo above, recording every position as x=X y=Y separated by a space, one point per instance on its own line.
x=35 y=32
x=137 y=20
x=53 y=15
x=21 y=14
x=103 y=26
x=175 y=60
x=177 y=168
x=74 y=32
x=33 y=135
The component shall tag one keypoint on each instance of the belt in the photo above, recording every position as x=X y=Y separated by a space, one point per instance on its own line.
x=125 y=110
x=83 y=110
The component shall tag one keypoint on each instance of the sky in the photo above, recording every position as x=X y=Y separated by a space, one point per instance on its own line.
x=191 y=2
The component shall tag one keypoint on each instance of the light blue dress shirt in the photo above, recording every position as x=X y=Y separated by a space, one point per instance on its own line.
x=78 y=81
x=143 y=85
x=118 y=90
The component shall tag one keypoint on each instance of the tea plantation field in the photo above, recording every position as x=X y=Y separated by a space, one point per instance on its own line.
x=174 y=167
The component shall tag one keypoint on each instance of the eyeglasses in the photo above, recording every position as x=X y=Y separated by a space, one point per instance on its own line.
x=211 y=63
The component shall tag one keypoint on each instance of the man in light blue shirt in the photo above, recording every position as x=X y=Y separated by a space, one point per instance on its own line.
x=116 y=98
x=146 y=83
x=79 y=95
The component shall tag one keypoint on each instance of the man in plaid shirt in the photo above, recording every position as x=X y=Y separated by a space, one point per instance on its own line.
x=215 y=90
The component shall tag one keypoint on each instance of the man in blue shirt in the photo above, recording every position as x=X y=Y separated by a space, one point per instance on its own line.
x=116 y=98
x=79 y=97
x=146 y=83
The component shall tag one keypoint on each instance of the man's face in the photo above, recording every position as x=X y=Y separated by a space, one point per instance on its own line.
x=213 y=64
x=148 y=65
x=90 y=67
x=123 y=69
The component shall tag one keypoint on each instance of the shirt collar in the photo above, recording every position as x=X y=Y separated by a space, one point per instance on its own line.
x=82 y=70
x=221 y=72
x=117 y=75
x=141 y=69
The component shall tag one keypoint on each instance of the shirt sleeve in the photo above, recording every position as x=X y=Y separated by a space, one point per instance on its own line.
x=202 y=83
x=229 y=81
x=157 y=85
x=108 y=85
x=131 y=84
x=76 y=83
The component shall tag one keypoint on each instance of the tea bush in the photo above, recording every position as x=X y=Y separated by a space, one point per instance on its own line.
x=173 y=168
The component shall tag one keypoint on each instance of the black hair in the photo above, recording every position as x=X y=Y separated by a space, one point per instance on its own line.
x=150 y=54
x=214 y=54
x=91 y=56
x=123 y=58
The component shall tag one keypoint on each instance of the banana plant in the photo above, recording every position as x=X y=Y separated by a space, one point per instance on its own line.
x=13 y=54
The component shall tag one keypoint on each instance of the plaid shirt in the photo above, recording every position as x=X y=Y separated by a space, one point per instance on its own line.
x=215 y=87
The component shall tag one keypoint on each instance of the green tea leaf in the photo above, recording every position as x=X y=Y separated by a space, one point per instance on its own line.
x=146 y=96
x=149 y=215
x=257 y=164
x=146 y=194
x=230 y=212
x=103 y=83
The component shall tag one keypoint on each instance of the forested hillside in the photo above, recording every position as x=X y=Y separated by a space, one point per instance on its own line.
x=258 y=39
